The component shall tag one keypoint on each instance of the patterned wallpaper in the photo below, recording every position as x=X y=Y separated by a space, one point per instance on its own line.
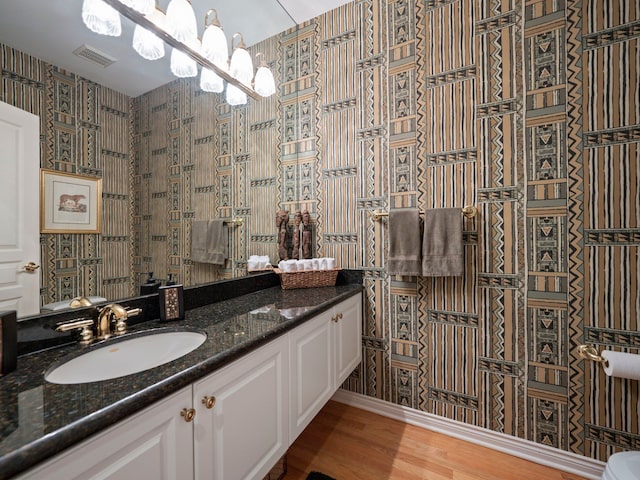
x=197 y=159
x=85 y=129
x=528 y=109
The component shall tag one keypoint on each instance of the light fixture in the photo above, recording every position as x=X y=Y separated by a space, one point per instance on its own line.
x=182 y=65
x=181 y=21
x=147 y=44
x=235 y=96
x=101 y=18
x=210 y=81
x=264 y=82
x=241 y=66
x=178 y=29
x=214 y=42
x=214 y=48
x=144 y=7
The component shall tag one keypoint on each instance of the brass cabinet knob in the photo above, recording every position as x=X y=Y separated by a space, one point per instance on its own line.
x=188 y=414
x=339 y=316
x=209 y=402
x=336 y=317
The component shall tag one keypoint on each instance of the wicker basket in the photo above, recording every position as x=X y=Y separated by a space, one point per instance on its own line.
x=307 y=278
x=260 y=270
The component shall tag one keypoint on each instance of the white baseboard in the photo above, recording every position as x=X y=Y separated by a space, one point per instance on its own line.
x=518 y=447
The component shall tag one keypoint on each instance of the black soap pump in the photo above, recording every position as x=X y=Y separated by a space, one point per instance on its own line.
x=150 y=286
x=170 y=280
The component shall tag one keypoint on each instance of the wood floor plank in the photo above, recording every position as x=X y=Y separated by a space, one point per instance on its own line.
x=349 y=443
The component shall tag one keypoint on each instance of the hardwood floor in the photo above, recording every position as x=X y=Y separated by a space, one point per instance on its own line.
x=348 y=443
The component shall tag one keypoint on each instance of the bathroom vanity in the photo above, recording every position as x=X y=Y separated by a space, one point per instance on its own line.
x=229 y=409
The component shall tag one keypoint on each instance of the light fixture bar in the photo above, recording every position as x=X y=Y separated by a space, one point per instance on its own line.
x=140 y=19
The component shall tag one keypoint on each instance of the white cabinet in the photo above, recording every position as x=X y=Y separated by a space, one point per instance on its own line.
x=311 y=370
x=246 y=415
x=241 y=429
x=324 y=351
x=347 y=329
x=155 y=443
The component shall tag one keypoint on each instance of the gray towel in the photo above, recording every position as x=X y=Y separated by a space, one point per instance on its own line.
x=442 y=250
x=404 y=242
x=209 y=241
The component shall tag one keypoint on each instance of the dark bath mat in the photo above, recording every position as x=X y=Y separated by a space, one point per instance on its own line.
x=319 y=476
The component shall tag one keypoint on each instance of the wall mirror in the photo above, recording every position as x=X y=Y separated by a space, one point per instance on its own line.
x=208 y=160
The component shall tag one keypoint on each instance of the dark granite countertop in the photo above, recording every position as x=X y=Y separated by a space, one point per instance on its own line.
x=40 y=419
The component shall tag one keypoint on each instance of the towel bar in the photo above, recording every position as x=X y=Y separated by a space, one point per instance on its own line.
x=236 y=222
x=469 y=211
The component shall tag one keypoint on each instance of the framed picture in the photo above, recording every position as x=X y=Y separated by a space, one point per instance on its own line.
x=69 y=203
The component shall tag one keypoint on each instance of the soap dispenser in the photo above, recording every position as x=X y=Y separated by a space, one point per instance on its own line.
x=150 y=286
x=171 y=298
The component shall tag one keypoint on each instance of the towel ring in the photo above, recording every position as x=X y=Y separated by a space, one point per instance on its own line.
x=589 y=352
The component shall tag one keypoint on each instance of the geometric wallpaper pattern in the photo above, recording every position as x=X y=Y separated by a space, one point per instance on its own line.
x=529 y=110
x=394 y=104
x=85 y=129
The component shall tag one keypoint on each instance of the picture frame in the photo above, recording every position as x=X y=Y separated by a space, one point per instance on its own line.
x=69 y=203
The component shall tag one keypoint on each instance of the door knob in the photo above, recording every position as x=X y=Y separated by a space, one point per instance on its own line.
x=31 y=267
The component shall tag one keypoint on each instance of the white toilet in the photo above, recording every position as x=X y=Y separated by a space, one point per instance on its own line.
x=622 y=466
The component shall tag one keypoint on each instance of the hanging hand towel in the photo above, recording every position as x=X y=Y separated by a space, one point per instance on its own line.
x=442 y=250
x=404 y=242
x=209 y=241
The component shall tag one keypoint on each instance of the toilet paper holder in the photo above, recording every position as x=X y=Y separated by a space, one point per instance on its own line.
x=589 y=352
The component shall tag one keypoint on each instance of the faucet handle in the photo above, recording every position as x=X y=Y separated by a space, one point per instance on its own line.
x=83 y=324
x=78 y=302
x=120 y=327
x=122 y=314
x=132 y=312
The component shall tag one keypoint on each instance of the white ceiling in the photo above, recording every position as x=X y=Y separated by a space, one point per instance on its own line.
x=52 y=29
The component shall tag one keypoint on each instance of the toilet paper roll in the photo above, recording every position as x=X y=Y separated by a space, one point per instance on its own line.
x=622 y=365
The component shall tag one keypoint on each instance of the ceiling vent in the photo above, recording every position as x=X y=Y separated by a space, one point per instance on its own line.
x=94 y=55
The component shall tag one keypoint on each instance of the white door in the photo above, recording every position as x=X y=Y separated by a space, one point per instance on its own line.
x=19 y=207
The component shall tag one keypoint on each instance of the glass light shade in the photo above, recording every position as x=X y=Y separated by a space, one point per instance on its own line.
x=182 y=65
x=210 y=81
x=214 y=46
x=241 y=66
x=145 y=7
x=264 y=84
x=101 y=18
x=181 y=21
x=147 y=44
x=235 y=96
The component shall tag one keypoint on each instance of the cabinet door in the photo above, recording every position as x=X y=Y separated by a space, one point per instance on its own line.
x=348 y=337
x=244 y=433
x=156 y=443
x=312 y=379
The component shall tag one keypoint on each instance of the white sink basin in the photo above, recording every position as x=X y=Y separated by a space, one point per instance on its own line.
x=117 y=359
